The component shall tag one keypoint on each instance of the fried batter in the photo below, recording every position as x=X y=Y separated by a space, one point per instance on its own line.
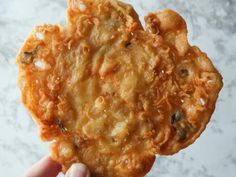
x=112 y=95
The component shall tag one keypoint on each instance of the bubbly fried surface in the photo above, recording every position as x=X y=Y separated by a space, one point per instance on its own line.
x=111 y=94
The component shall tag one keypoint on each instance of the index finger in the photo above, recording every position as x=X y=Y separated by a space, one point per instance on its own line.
x=46 y=167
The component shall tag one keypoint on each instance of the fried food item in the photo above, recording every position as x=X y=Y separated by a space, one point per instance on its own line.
x=112 y=95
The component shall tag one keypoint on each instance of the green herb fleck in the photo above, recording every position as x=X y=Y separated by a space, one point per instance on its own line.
x=184 y=73
x=27 y=57
x=127 y=44
x=60 y=125
x=181 y=133
x=176 y=117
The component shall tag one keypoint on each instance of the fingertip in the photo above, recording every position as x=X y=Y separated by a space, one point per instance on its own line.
x=46 y=167
x=52 y=163
x=78 y=170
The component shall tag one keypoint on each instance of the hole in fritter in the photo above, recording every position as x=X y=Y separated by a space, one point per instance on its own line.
x=126 y=161
x=209 y=78
x=202 y=101
x=210 y=81
x=41 y=64
x=82 y=7
x=39 y=36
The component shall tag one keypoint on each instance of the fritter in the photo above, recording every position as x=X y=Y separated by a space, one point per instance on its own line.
x=111 y=94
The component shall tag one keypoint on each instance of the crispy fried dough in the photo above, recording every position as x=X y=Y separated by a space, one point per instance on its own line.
x=112 y=95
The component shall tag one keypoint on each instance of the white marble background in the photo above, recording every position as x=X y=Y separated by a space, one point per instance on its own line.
x=212 y=26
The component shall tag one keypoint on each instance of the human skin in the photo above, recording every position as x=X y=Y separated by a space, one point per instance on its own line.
x=46 y=167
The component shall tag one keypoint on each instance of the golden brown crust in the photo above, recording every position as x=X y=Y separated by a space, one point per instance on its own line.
x=112 y=95
x=197 y=81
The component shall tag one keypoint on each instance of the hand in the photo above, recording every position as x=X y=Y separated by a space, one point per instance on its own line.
x=46 y=167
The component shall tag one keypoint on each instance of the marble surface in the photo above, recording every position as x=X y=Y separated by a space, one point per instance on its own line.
x=212 y=26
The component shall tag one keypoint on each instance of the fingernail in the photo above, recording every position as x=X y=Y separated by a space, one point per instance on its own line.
x=78 y=170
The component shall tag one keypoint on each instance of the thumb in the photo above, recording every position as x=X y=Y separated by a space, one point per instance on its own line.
x=78 y=170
